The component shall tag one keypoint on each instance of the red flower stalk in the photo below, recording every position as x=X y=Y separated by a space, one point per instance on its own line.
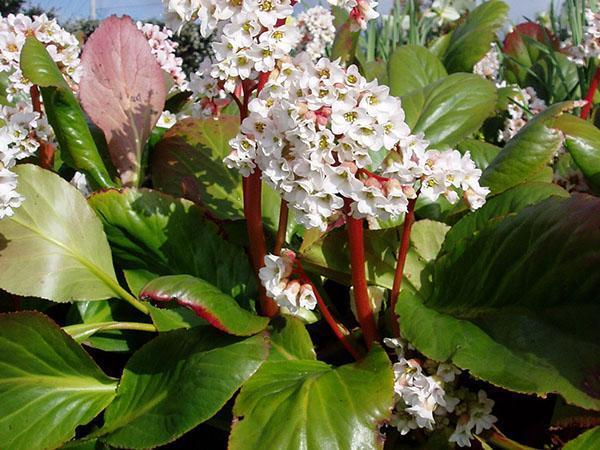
x=585 y=111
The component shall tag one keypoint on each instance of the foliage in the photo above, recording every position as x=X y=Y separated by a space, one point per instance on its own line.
x=168 y=297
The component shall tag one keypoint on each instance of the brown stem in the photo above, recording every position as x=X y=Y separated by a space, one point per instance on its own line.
x=409 y=219
x=282 y=228
x=340 y=331
x=364 y=310
x=585 y=111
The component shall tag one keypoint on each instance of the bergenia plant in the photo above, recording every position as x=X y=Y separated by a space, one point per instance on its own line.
x=343 y=230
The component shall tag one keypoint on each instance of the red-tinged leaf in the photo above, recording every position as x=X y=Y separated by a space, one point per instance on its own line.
x=123 y=91
x=514 y=44
x=207 y=301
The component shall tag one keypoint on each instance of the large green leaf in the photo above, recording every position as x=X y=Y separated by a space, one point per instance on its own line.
x=177 y=381
x=518 y=301
x=472 y=39
x=585 y=441
x=48 y=384
x=412 y=67
x=527 y=154
x=207 y=301
x=496 y=209
x=307 y=404
x=188 y=162
x=450 y=109
x=290 y=340
x=329 y=255
x=54 y=246
x=64 y=114
x=156 y=234
x=582 y=140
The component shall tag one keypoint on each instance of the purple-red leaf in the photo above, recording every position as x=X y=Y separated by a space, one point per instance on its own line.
x=123 y=91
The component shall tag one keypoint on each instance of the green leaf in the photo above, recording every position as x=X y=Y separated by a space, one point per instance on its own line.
x=527 y=154
x=412 y=67
x=517 y=301
x=497 y=208
x=64 y=114
x=481 y=152
x=585 y=441
x=208 y=302
x=92 y=319
x=344 y=45
x=161 y=235
x=450 y=109
x=582 y=140
x=54 y=246
x=177 y=381
x=174 y=318
x=472 y=39
x=290 y=340
x=329 y=255
x=48 y=384
x=188 y=162
x=308 y=404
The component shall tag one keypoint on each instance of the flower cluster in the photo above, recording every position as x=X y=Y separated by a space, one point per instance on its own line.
x=427 y=398
x=489 y=66
x=62 y=46
x=525 y=104
x=590 y=45
x=313 y=131
x=163 y=49
x=317 y=30
x=445 y=11
x=20 y=132
x=209 y=97
x=435 y=173
x=286 y=283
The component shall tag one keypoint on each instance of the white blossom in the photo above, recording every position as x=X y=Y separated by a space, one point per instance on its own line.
x=317 y=30
x=285 y=285
x=81 y=183
x=525 y=104
x=589 y=49
x=9 y=198
x=489 y=66
x=163 y=49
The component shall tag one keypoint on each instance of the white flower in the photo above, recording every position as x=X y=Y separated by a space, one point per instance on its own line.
x=447 y=372
x=9 y=198
x=317 y=30
x=589 y=49
x=166 y=120
x=81 y=183
x=163 y=49
x=524 y=100
x=489 y=65
x=462 y=435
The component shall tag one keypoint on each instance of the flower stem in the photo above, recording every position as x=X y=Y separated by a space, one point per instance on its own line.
x=585 y=111
x=338 y=328
x=282 y=228
x=409 y=219
x=252 y=190
x=87 y=329
x=256 y=235
x=359 y=281
x=501 y=441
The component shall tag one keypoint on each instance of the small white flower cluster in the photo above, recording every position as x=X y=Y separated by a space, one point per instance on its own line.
x=525 y=102
x=62 y=46
x=489 y=66
x=445 y=11
x=426 y=398
x=317 y=30
x=163 y=48
x=20 y=130
x=361 y=11
x=250 y=34
x=312 y=132
x=291 y=294
x=590 y=46
x=208 y=97
x=438 y=173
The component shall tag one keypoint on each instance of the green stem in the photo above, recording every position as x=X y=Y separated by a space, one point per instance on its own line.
x=122 y=293
x=84 y=330
x=499 y=440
